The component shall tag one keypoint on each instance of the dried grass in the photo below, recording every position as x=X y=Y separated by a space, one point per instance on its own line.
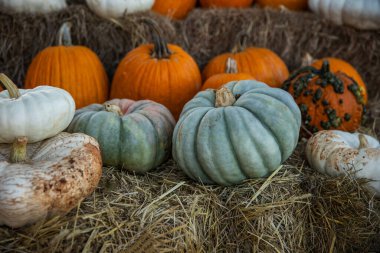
x=295 y=210
x=204 y=34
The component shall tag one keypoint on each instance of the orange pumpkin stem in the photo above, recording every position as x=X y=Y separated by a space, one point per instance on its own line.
x=64 y=35
x=161 y=49
x=18 y=152
x=231 y=66
x=10 y=86
x=224 y=97
x=363 y=141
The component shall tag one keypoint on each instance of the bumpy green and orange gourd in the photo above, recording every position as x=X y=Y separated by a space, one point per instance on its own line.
x=76 y=69
x=161 y=72
x=339 y=65
x=326 y=99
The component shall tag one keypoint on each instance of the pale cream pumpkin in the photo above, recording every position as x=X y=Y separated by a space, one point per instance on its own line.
x=37 y=114
x=113 y=9
x=32 y=6
x=46 y=178
x=362 y=14
x=337 y=153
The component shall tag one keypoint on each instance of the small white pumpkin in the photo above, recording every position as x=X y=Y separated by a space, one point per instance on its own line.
x=362 y=14
x=114 y=9
x=336 y=153
x=46 y=178
x=37 y=114
x=33 y=6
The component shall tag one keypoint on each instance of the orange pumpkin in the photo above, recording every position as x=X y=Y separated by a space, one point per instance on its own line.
x=290 y=4
x=174 y=8
x=76 y=69
x=262 y=64
x=226 y=3
x=161 y=72
x=230 y=75
x=337 y=65
x=327 y=100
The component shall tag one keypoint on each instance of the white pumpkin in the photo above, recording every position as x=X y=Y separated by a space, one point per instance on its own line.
x=336 y=153
x=48 y=178
x=114 y=9
x=362 y=14
x=33 y=6
x=37 y=114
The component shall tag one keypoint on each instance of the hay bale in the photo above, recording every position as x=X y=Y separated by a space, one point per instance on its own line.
x=204 y=34
x=295 y=210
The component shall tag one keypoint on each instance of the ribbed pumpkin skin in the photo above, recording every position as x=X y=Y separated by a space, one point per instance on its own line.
x=249 y=139
x=139 y=141
x=290 y=4
x=218 y=80
x=263 y=64
x=75 y=69
x=226 y=3
x=174 y=8
x=343 y=66
x=171 y=82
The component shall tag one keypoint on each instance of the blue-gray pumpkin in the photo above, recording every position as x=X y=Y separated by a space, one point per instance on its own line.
x=244 y=130
x=133 y=135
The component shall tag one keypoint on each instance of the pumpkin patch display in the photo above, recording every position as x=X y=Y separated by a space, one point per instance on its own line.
x=76 y=69
x=327 y=100
x=47 y=178
x=174 y=8
x=135 y=135
x=337 y=65
x=32 y=6
x=289 y=4
x=261 y=63
x=226 y=3
x=232 y=74
x=113 y=9
x=337 y=153
x=244 y=130
x=362 y=14
x=161 y=72
x=36 y=114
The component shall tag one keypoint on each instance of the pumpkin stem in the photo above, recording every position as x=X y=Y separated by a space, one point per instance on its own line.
x=325 y=69
x=231 y=66
x=307 y=60
x=113 y=108
x=64 y=35
x=363 y=141
x=160 y=49
x=224 y=97
x=18 y=152
x=10 y=86
x=241 y=42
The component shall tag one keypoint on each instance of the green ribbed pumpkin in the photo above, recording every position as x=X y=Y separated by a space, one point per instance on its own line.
x=244 y=130
x=133 y=135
